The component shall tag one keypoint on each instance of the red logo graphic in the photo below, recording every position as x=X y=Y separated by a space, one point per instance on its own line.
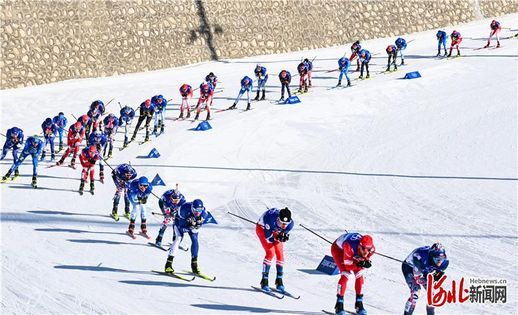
x=438 y=296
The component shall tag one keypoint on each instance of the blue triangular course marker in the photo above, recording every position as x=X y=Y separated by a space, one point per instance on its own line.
x=412 y=75
x=210 y=219
x=157 y=181
x=328 y=266
x=292 y=100
x=153 y=154
x=204 y=125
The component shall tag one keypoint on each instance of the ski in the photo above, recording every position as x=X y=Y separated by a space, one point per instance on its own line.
x=334 y=313
x=144 y=235
x=202 y=276
x=174 y=275
x=130 y=234
x=145 y=141
x=286 y=293
x=159 y=247
x=81 y=192
x=270 y=292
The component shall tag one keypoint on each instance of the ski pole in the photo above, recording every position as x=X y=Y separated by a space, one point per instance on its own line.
x=308 y=229
x=242 y=218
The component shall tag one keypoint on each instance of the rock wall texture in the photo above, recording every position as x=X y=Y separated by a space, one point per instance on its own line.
x=51 y=40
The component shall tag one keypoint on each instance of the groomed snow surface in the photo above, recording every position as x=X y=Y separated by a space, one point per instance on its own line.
x=410 y=162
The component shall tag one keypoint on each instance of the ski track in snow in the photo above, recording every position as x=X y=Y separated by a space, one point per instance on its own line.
x=411 y=162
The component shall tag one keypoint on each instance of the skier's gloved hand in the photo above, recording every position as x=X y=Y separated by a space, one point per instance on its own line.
x=191 y=221
x=418 y=279
x=142 y=200
x=437 y=275
x=283 y=237
x=364 y=263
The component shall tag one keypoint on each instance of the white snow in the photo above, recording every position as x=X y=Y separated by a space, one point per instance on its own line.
x=410 y=162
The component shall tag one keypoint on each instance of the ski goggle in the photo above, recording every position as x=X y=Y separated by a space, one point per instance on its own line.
x=282 y=224
x=144 y=186
x=197 y=211
x=367 y=249
x=438 y=260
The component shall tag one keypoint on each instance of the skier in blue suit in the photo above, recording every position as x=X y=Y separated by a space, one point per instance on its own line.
x=14 y=141
x=365 y=57
x=401 y=45
x=441 y=40
x=33 y=147
x=126 y=118
x=246 y=86
x=61 y=122
x=50 y=132
x=169 y=204
x=343 y=66
x=423 y=261
x=138 y=192
x=122 y=175
x=189 y=219
x=262 y=77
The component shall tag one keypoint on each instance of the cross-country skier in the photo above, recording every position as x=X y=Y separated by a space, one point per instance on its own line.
x=392 y=55
x=159 y=103
x=351 y=253
x=303 y=74
x=138 y=192
x=85 y=121
x=285 y=78
x=417 y=266
x=186 y=92
x=122 y=175
x=343 y=66
x=50 y=131
x=205 y=100
x=13 y=141
x=111 y=124
x=169 y=204
x=273 y=230
x=75 y=136
x=88 y=157
x=441 y=41
x=355 y=49
x=365 y=57
x=495 y=30
x=246 y=86
x=262 y=77
x=189 y=219
x=456 y=39
x=401 y=46
x=33 y=147
x=61 y=122
x=212 y=79
x=96 y=111
x=126 y=118
x=99 y=139
x=309 y=66
x=146 y=113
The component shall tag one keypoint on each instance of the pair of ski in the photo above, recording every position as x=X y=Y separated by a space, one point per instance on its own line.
x=185 y=278
x=276 y=293
x=69 y=165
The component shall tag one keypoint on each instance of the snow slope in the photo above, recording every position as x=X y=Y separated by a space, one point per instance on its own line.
x=411 y=162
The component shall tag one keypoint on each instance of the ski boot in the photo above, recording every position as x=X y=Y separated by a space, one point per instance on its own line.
x=143 y=228
x=169 y=265
x=162 y=129
x=16 y=173
x=188 y=115
x=388 y=69
x=52 y=157
x=208 y=116
x=458 y=53
x=81 y=187
x=360 y=77
x=115 y=215
x=339 y=83
x=131 y=228
x=402 y=62
x=147 y=136
x=264 y=284
x=348 y=82
x=92 y=187
x=263 y=97
x=181 y=115
x=358 y=305
x=281 y=99
x=248 y=106
x=127 y=212
x=197 y=116
x=487 y=45
x=110 y=152
x=194 y=266
x=497 y=44
x=257 y=96
x=6 y=176
x=445 y=54
x=438 y=54
x=339 y=306
x=73 y=163
x=33 y=183
x=233 y=106
x=43 y=155
x=278 y=283
x=158 y=240
x=309 y=83
x=367 y=76
x=430 y=310
x=155 y=129
x=101 y=177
